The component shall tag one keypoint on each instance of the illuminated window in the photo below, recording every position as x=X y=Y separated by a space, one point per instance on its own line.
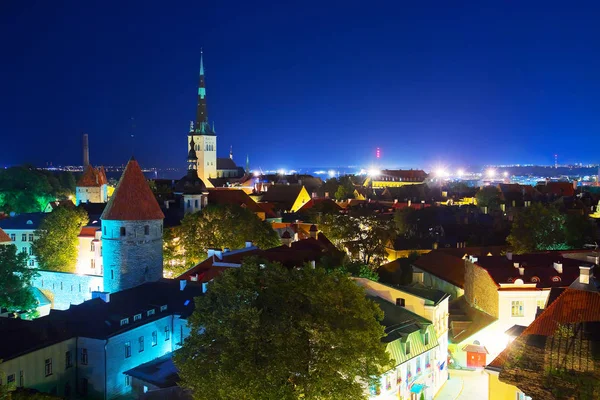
x=137 y=317
x=516 y=309
x=556 y=279
x=535 y=279
x=127 y=349
x=93 y=263
x=541 y=304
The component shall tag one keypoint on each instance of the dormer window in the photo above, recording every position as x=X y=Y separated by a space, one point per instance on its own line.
x=163 y=308
x=150 y=312
x=556 y=279
x=426 y=338
x=29 y=222
x=137 y=317
x=124 y=321
x=535 y=279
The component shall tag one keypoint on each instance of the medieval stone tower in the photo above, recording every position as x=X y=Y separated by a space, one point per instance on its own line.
x=132 y=225
x=204 y=138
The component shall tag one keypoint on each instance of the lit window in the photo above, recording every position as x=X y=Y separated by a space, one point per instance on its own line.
x=541 y=304
x=127 y=349
x=93 y=263
x=150 y=312
x=556 y=279
x=516 y=309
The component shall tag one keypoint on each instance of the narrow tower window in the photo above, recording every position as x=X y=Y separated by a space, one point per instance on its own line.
x=146 y=229
x=122 y=231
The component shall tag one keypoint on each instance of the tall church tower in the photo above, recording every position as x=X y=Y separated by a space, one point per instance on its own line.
x=132 y=228
x=203 y=136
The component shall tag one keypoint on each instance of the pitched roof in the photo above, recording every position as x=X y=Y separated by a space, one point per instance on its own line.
x=60 y=203
x=284 y=195
x=133 y=199
x=557 y=188
x=28 y=221
x=92 y=177
x=237 y=197
x=465 y=320
x=4 y=237
x=444 y=265
x=226 y=163
x=572 y=306
x=415 y=174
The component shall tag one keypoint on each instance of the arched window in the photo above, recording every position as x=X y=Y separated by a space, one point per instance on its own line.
x=535 y=279
x=122 y=231
x=556 y=279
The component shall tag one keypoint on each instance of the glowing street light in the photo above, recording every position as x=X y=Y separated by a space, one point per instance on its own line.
x=441 y=173
x=491 y=173
x=505 y=174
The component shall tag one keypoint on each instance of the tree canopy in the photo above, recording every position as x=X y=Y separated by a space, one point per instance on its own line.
x=265 y=332
x=57 y=244
x=15 y=280
x=540 y=227
x=488 y=196
x=365 y=237
x=216 y=226
x=27 y=189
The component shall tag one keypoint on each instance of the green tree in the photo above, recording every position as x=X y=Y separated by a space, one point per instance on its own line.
x=265 y=332
x=579 y=230
x=537 y=228
x=57 y=244
x=173 y=257
x=222 y=226
x=488 y=196
x=15 y=280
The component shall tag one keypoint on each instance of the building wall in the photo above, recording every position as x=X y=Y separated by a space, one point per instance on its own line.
x=91 y=194
x=529 y=298
x=24 y=245
x=227 y=173
x=499 y=390
x=393 y=255
x=64 y=289
x=32 y=366
x=134 y=258
x=117 y=363
x=94 y=372
x=86 y=254
x=480 y=289
x=207 y=159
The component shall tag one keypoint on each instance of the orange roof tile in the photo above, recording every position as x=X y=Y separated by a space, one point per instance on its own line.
x=133 y=199
x=4 y=237
x=91 y=177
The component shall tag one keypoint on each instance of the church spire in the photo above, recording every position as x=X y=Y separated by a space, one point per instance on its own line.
x=201 y=114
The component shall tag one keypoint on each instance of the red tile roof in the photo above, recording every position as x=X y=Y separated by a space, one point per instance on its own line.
x=237 y=197
x=92 y=177
x=133 y=199
x=319 y=203
x=538 y=269
x=557 y=188
x=4 y=237
x=88 y=231
x=572 y=306
x=444 y=265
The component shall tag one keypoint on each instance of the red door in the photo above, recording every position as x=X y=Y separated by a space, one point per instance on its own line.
x=475 y=360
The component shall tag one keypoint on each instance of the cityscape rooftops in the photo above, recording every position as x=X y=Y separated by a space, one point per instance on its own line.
x=25 y=221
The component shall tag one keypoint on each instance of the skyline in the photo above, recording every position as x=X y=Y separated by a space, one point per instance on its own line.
x=279 y=76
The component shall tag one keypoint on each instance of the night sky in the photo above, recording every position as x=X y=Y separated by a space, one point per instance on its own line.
x=319 y=84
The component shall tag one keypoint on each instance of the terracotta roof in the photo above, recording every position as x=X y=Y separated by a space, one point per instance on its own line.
x=88 y=231
x=572 y=306
x=320 y=202
x=133 y=199
x=557 y=188
x=237 y=197
x=538 y=268
x=4 y=237
x=92 y=177
x=444 y=265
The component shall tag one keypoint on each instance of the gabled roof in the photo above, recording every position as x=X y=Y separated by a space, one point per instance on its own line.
x=25 y=221
x=133 y=199
x=92 y=177
x=4 y=238
x=226 y=163
x=237 y=197
x=60 y=203
x=557 y=188
x=319 y=203
x=572 y=306
x=444 y=265
x=283 y=195
x=465 y=320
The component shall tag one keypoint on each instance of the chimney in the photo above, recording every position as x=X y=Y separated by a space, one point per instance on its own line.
x=86 y=151
x=105 y=296
x=521 y=271
x=593 y=259
x=435 y=245
x=182 y=284
x=516 y=265
x=584 y=274
x=248 y=244
x=558 y=267
x=509 y=255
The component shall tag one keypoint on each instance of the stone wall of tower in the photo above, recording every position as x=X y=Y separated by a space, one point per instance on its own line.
x=91 y=194
x=206 y=151
x=131 y=253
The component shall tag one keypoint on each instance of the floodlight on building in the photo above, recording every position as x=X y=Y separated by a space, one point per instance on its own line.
x=281 y=172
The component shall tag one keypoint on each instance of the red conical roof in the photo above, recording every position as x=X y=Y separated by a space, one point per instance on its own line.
x=89 y=178
x=133 y=199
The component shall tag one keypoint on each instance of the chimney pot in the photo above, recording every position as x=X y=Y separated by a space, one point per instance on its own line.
x=584 y=274
x=248 y=244
x=558 y=267
x=521 y=271
x=509 y=255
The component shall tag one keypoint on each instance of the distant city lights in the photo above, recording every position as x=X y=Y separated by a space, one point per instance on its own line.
x=460 y=173
x=374 y=172
x=505 y=174
x=491 y=173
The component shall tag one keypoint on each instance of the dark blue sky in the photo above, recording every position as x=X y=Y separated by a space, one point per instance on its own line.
x=321 y=83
